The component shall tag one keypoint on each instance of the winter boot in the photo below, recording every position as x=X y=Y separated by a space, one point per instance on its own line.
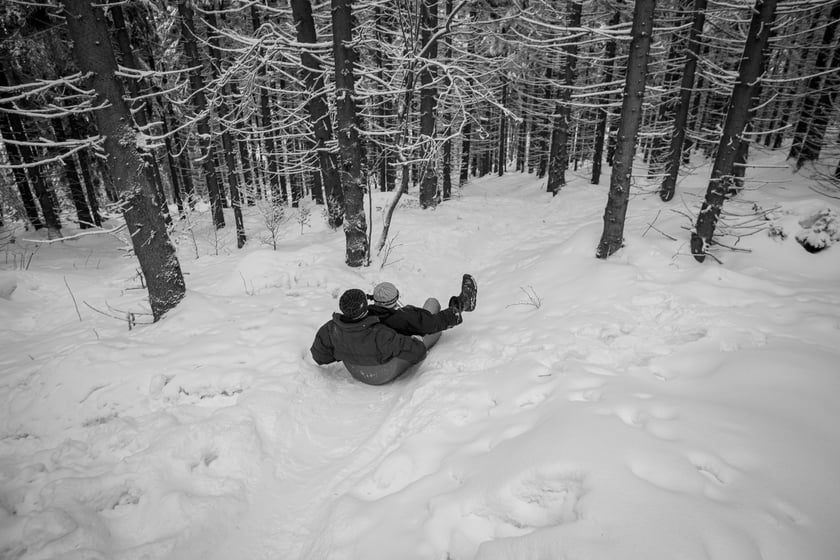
x=469 y=293
x=455 y=307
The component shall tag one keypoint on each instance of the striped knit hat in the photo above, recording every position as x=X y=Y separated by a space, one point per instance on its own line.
x=386 y=295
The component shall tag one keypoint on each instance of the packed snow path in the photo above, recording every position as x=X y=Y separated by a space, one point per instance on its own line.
x=642 y=407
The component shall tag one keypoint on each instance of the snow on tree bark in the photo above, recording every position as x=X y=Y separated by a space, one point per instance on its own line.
x=737 y=116
x=227 y=142
x=206 y=154
x=428 y=103
x=267 y=147
x=464 y=173
x=612 y=237
x=318 y=110
x=558 y=158
x=39 y=185
x=138 y=110
x=675 y=154
x=74 y=182
x=502 y=140
x=92 y=52
x=819 y=102
x=20 y=178
x=604 y=112
x=349 y=143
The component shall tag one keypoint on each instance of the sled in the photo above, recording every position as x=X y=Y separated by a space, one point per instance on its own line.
x=383 y=373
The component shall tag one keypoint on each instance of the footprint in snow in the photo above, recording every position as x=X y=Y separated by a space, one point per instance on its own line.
x=654 y=418
x=537 y=499
x=200 y=388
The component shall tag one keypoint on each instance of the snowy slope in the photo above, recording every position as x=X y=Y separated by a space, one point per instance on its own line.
x=640 y=407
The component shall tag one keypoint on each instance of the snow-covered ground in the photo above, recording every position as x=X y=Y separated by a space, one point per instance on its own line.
x=643 y=407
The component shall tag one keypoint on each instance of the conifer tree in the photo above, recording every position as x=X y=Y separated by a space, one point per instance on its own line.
x=88 y=30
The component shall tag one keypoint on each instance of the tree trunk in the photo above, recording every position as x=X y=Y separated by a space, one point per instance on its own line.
x=558 y=159
x=675 y=155
x=612 y=237
x=88 y=30
x=604 y=112
x=542 y=140
x=465 y=153
x=657 y=153
x=821 y=118
x=446 y=160
x=318 y=110
x=206 y=153
x=428 y=104
x=802 y=149
x=87 y=176
x=137 y=111
x=349 y=142
x=268 y=155
x=174 y=172
x=837 y=170
x=737 y=116
x=184 y=165
x=244 y=159
x=82 y=128
x=227 y=141
x=21 y=180
x=29 y=159
x=522 y=141
x=382 y=160
x=74 y=182
x=502 y=144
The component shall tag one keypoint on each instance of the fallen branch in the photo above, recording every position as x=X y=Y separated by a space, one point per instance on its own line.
x=78 y=235
x=130 y=316
x=76 y=305
x=656 y=229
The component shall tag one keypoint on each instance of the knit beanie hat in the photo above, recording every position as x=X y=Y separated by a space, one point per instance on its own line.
x=386 y=294
x=353 y=304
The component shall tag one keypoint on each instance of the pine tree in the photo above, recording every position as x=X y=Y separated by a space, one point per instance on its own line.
x=737 y=116
x=349 y=142
x=88 y=30
x=612 y=237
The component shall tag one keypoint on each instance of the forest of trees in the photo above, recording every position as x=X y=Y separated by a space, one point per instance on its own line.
x=143 y=108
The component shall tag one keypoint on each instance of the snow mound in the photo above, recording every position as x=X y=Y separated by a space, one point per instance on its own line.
x=8 y=284
x=819 y=231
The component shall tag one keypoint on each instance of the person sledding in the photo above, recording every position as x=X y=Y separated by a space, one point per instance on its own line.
x=377 y=343
x=426 y=320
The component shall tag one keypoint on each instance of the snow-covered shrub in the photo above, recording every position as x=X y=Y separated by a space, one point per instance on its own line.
x=273 y=217
x=819 y=231
x=776 y=231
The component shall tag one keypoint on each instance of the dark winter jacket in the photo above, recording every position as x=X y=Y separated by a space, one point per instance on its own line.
x=412 y=320
x=366 y=342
